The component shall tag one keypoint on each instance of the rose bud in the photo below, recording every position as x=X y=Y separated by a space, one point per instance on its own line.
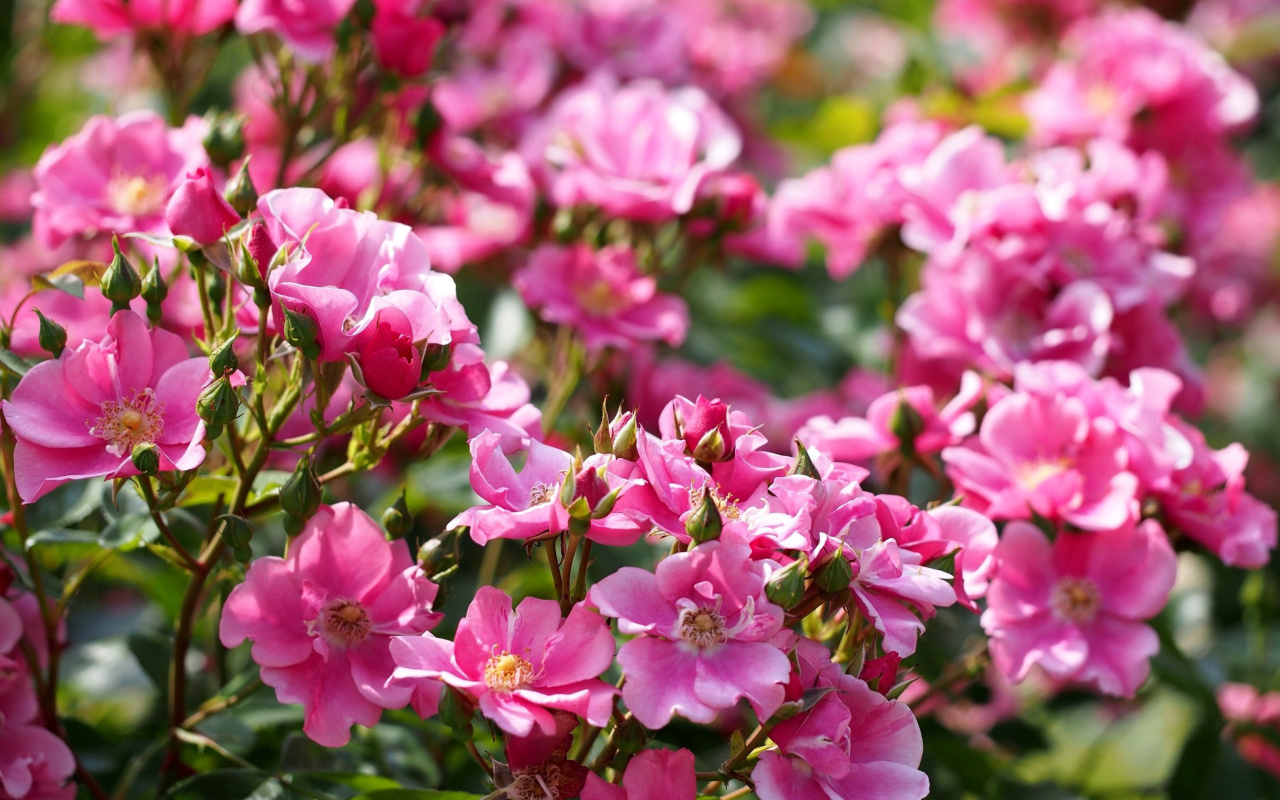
x=391 y=365
x=706 y=432
x=405 y=45
x=197 y=209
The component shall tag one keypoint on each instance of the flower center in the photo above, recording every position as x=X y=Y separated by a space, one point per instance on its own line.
x=130 y=421
x=535 y=783
x=138 y=195
x=1076 y=600
x=345 y=621
x=599 y=298
x=726 y=504
x=702 y=626
x=541 y=494
x=506 y=672
x=1031 y=474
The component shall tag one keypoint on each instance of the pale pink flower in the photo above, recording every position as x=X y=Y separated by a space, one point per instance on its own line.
x=517 y=665
x=476 y=396
x=1049 y=456
x=1075 y=606
x=115 y=176
x=734 y=45
x=322 y=620
x=627 y=38
x=651 y=774
x=110 y=18
x=637 y=150
x=703 y=629
x=1207 y=501
x=513 y=81
x=80 y=416
x=601 y=294
x=521 y=504
x=307 y=27
x=854 y=744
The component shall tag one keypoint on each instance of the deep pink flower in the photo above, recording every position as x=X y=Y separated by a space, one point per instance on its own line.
x=115 y=175
x=81 y=415
x=602 y=294
x=110 y=18
x=852 y=745
x=703 y=631
x=322 y=619
x=1047 y=455
x=540 y=764
x=389 y=360
x=519 y=665
x=344 y=266
x=638 y=151
x=651 y=774
x=1206 y=500
x=404 y=39
x=307 y=27
x=198 y=210
x=1075 y=606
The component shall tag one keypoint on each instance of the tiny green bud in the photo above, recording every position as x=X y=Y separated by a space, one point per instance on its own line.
x=704 y=524
x=624 y=440
x=906 y=424
x=154 y=291
x=435 y=357
x=439 y=552
x=223 y=358
x=711 y=447
x=225 y=140
x=397 y=519
x=120 y=282
x=300 y=495
x=218 y=405
x=301 y=331
x=236 y=530
x=834 y=575
x=630 y=737
x=53 y=337
x=146 y=458
x=240 y=193
x=803 y=465
x=427 y=124
x=786 y=586
x=601 y=440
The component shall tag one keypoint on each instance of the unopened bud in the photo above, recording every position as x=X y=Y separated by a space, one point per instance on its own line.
x=154 y=291
x=630 y=737
x=225 y=140
x=240 y=192
x=53 y=337
x=435 y=357
x=601 y=440
x=397 y=519
x=786 y=586
x=906 y=424
x=623 y=430
x=146 y=458
x=223 y=358
x=439 y=552
x=260 y=248
x=803 y=465
x=120 y=282
x=704 y=524
x=834 y=575
x=218 y=405
x=301 y=331
x=300 y=495
x=237 y=531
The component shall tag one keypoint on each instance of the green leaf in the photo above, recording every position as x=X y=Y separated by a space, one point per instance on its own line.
x=206 y=489
x=14 y=362
x=360 y=781
x=62 y=536
x=228 y=784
